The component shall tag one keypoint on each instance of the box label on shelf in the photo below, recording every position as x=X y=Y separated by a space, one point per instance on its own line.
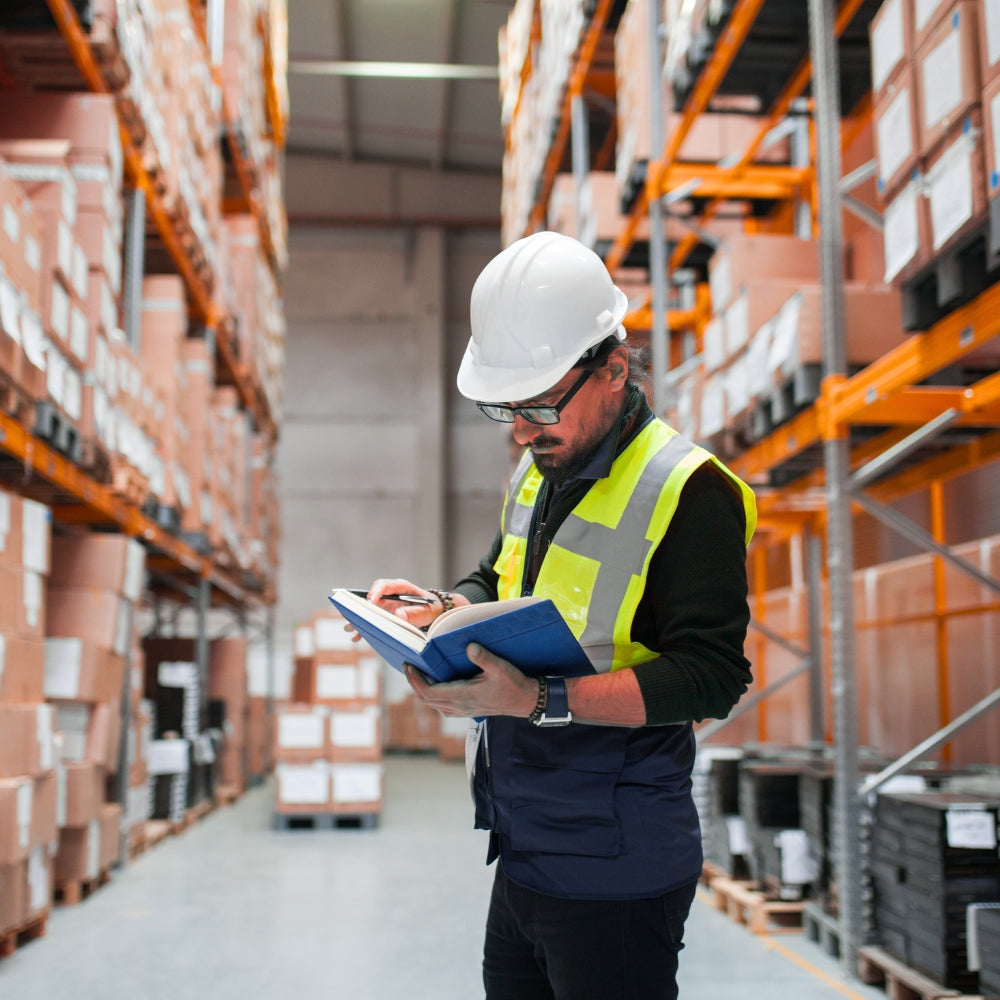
x=973 y=827
x=895 y=136
x=902 y=232
x=887 y=43
x=949 y=192
x=942 y=77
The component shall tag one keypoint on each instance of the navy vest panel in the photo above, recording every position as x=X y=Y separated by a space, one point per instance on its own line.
x=590 y=812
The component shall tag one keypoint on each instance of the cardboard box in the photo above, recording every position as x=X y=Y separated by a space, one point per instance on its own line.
x=892 y=41
x=11 y=897
x=948 y=75
x=906 y=234
x=84 y=793
x=27 y=742
x=927 y=15
x=79 y=853
x=302 y=788
x=103 y=561
x=16 y=809
x=101 y=617
x=81 y=670
x=955 y=185
x=22 y=669
x=110 y=822
x=989 y=40
x=45 y=810
x=745 y=258
x=895 y=123
x=991 y=136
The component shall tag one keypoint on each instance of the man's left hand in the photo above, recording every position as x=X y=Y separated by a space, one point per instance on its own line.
x=501 y=689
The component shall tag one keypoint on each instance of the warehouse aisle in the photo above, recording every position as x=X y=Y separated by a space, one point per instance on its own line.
x=236 y=911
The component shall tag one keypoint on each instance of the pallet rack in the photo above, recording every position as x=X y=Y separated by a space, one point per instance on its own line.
x=869 y=437
x=180 y=569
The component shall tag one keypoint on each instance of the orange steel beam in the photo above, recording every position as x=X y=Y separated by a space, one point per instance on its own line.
x=102 y=503
x=677 y=319
x=574 y=88
x=740 y=21
x=783 y=443
x=765 y=181
x=273 y=104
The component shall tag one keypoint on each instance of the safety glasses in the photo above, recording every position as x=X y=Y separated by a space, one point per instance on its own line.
x=505 y=414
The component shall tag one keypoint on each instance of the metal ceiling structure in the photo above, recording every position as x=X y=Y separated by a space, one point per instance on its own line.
x=446 y=122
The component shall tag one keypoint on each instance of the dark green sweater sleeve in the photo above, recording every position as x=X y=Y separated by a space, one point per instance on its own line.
x=695 y=610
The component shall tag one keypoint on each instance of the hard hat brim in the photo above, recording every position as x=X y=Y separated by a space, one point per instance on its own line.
x=491 y=384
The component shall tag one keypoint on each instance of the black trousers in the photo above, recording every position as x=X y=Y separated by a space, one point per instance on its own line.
x=539 y=947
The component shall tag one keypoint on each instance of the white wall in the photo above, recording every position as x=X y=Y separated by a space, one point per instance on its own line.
x=384 y=469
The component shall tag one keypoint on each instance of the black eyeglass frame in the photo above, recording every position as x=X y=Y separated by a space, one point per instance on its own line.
x=503 y=413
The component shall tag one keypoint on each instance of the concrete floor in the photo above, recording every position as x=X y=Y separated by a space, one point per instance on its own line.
x=233 y=910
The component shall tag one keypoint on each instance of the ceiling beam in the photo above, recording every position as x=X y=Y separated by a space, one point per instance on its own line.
x=450 y=35
x=344 y=86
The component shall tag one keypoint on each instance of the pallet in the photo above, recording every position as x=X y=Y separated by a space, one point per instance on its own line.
x=226 y=795
x=14 y=938
x=710 y=870
x=71 y=891
x=95 y=460
x=325 y=821
x=821 y=927
x=56 y=430
x=192 y=815
x=878 y=968
x=753 y=908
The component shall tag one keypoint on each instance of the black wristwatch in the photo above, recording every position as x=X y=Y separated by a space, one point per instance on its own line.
x=554 y=708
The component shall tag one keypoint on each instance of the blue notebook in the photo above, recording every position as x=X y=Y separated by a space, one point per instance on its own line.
x=527 y=631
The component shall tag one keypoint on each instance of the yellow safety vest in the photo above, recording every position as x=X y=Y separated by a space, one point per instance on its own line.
x=595 y=569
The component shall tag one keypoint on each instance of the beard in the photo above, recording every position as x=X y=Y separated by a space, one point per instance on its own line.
x=558 y=468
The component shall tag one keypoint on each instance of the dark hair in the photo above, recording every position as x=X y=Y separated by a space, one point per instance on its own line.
x=638 y=358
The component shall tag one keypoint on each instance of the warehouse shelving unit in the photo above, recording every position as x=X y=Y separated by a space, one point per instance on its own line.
x=869 y=437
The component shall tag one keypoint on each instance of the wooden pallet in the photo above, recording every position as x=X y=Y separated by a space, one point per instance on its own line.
x=821 y=927
x=156 y=831
x=69 y=892
x=878 y=968
x=12 y=939
x=226 y=795
x=749 y=906
x=325 y=821
x=710 y=870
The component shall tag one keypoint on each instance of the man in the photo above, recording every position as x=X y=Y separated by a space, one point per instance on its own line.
x=639 y=538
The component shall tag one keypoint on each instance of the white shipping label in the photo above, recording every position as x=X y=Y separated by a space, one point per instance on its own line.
x=64 y=250
x=79 y=333
x=11 y=223
x=93 y=848
x=330 y=634
x=887 y=42
x=33 y=253
x=63 y=658
x=46 y=737
x=720 y=280
x=10 y=310
x=991 y=15
x=901 y=232
x=39 y=890
x=950 y=193
x=785 y=337
x=33 y=338
x=337 y=681
x=971 y=827
x=713 y=406
x=714 y=343
x=61 y=791
x=34 y=591
x=24 y=808
x=305 y=785
x=758 y=380
x=4 y=519
x=357 y=782
x=178 y=674
x=993 y=181
x=739 y=840
x=924 y=11
x=737 y=325
x=354 y=729
x=942 y=79
x=369 y=672
x=305 y=641
x=895 y=136
x=737 y=394
x=135 y=570
x=300 y=731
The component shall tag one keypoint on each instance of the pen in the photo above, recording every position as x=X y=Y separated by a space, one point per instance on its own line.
x=404 y=598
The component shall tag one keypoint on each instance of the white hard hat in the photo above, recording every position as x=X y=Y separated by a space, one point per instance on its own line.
x=535 y=308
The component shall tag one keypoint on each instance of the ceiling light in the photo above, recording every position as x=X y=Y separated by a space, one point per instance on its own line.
x=399 y=70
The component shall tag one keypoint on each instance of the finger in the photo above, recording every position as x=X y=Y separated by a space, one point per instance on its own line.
x=483 y=658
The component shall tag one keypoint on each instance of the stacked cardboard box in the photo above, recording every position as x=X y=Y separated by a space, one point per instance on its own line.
x=930 y=64
x=28 y=759
x=330 y=736
x=227 y=689
x=95 y=583
x=260 y=736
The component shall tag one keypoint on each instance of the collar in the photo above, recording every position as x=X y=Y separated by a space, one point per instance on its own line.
x=635 y=414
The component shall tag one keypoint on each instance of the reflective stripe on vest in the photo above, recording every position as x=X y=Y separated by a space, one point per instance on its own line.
x=595 y=569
